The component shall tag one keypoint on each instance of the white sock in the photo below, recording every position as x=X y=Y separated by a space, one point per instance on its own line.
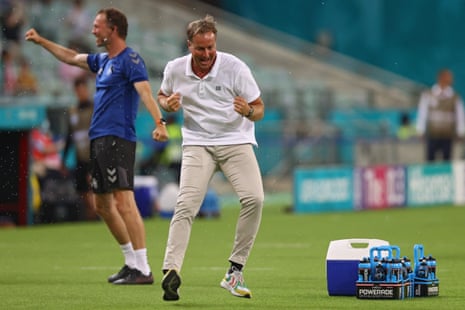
x=129 y=255
x=142 y=261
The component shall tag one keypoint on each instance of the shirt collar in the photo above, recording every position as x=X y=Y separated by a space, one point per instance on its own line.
x=213 y=72
x=438 y=91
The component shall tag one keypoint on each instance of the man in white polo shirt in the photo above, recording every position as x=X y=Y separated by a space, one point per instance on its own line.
x=220 y=101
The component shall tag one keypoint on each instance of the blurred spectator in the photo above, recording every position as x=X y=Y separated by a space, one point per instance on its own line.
x=406 y=129
x=78 y=135
x=57 y=193
x=12 y=21
x=47 y=17
x=441 y=117
x=78 y=20
x=26 y=81
x=45 y=154
x=9 y=75
x=68 y=73
x=324 y=42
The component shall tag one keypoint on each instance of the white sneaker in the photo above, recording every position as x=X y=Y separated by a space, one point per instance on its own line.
x=235 y=284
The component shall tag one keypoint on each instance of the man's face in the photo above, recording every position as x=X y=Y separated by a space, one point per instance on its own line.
x=203 y=49
x=445 y=78
x=101 y=30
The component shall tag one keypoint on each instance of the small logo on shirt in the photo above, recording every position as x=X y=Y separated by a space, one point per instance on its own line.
x=109 y=70
x=218 y=88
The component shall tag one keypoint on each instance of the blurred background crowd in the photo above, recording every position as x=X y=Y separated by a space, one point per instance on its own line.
x=341 y=80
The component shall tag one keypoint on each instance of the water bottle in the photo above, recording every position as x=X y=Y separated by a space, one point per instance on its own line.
x=387 y=268
x=406 y=267
x=396 y=274
x=364 y=269
x=431 y=261
x=380 y=272
x=422 y=269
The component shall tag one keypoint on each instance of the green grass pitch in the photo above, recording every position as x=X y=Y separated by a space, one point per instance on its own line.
x=65 y=266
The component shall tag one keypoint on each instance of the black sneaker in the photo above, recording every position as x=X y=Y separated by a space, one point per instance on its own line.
x=170 y=284
x=135 y=277
x=124 y=272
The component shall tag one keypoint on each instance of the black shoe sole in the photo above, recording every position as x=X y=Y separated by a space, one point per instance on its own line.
x=170 y=284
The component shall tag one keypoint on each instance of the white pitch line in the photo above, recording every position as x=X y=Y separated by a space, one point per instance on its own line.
x=283 y=245
x=217 y=268
x=98 y=268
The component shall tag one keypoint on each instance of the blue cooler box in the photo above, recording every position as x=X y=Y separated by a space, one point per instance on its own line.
x=342 y=264
x=145 y=194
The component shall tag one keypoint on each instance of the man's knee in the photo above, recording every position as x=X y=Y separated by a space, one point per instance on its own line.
x=253 y=200
x=186 y=210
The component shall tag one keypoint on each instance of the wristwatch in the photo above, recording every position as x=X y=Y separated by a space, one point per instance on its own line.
x=250 y=112
x=162 y=121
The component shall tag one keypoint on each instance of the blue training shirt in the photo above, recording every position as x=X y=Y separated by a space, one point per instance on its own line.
x=116 y=100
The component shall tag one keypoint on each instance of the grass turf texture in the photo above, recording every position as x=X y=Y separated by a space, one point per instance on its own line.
x=65 y=266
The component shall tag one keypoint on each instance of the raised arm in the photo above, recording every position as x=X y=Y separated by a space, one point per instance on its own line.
x=60 y=52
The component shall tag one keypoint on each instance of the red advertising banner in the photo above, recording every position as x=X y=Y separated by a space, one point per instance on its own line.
x=380 y=187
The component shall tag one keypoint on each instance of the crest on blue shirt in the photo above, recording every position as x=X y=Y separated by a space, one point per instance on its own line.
x=109 y=70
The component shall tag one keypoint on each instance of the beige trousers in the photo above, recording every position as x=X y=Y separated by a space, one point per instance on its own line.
x=239 y=165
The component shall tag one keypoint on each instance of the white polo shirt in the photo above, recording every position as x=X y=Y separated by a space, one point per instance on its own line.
x=207 y=103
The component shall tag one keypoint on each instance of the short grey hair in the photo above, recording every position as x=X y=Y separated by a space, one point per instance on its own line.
x=204 y=25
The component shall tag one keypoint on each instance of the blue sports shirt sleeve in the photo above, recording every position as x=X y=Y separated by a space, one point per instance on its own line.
x=136 y=68
x=93 y=61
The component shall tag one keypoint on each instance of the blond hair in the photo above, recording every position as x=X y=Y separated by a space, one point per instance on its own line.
x=204 y=25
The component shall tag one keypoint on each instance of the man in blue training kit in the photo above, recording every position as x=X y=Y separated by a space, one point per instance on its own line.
x=121 y=80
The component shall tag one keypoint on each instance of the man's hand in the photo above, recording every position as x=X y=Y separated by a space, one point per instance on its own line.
x=33 y=36
x=173 y=102
x=160 y=133
x=241 y=106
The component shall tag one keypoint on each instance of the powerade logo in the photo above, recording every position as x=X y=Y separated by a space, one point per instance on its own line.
x=376 y=292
